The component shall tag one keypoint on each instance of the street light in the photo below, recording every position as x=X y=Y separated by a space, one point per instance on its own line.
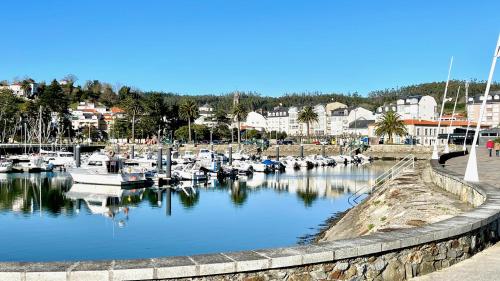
x=468 y=117
x=447 y=148
x=471 y=171
x=435 y=155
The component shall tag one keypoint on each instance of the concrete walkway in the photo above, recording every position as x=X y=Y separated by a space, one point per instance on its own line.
x=485 y=265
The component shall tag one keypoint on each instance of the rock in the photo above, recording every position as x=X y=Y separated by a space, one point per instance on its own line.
x=337 y=274
x=473 y=243
x=352 y=271
x=452 y=254
x=281 y=275
x=379 y=264
x=426 y=267
x=455 y=244
x=442 y=248
x=440 y=256
x=409 y=271
x=342 y=266
x=394 y=271
x=254 y=278
x=328 y=267
x=361 y=268
x=300 y=277
x=415 y=257
x=437 y=265
x=467 y=249
x=318 y=275
x=371 y=273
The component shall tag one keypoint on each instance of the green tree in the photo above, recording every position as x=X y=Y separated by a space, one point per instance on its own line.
x=188 y=110
x=307 y=116
x=9 y=113
x=239 y=113
x=390 y=124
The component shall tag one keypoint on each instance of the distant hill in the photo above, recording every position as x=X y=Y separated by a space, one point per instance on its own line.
x=254 y=101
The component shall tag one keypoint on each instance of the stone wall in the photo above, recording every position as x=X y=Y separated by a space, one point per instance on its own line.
x=399 y=265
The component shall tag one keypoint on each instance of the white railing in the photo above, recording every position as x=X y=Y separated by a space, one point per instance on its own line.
x=385 y=178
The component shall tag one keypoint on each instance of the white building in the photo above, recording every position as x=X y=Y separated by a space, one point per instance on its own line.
x=413 y=107
x=491 y=116
x=339 y=121
x=424 y=131
x=255 y=121
x=330 y=108
x=18 y=90
x=318 y=128
x=207 y=114
x=278 y=120
x=294 y=126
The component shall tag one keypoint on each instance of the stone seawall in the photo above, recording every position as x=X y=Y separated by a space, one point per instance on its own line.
x=395 y=255
x=379 y=151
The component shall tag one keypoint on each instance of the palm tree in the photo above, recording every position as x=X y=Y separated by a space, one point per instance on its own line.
x=390 y=124
x=133 y=105
x=187 y=110
x=239 y=113
x=307 y=116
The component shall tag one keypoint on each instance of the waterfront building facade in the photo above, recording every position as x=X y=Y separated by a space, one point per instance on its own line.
x=412 y=107
x=491 y=116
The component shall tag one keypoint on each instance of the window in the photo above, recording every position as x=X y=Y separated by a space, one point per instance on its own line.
x=418 y=131
x=426 y=132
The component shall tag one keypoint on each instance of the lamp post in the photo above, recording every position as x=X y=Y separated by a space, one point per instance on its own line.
x=471 y=170
x=468 y=118
x=447 y=148
x=435 y=155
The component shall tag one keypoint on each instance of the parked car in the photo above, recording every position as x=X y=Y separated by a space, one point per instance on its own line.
x=285 y=142
x=316 y=142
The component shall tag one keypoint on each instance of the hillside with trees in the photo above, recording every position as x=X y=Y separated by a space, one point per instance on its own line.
x=150 y=112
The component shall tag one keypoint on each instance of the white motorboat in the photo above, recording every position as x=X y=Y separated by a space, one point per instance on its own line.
x=30 y=163
x=260 y=167
x=102 y=169
x=5 y=166
x=58 y=158
x=190 y=171
x=242 y=167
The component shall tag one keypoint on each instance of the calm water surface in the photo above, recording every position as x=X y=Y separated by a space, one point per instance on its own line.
x=43 y=217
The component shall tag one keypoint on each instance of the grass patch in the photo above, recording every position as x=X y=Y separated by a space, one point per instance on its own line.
x=383 y=218
x=376 y=202
x=371 y=226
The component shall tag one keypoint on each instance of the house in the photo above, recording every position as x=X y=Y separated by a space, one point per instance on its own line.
x=339 y=121
x=207 y=116
x=278 y=120
x=359 y=127
x=22 y=92
x=330 y=108
x=491 y=114
x=412 y=107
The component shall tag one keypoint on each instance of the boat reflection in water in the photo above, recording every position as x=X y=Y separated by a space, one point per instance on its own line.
x=108 y=200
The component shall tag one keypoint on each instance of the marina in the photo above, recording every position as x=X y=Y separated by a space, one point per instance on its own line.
x=61 y=220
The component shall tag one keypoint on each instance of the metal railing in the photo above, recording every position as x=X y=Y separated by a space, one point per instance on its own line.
x=385 y=178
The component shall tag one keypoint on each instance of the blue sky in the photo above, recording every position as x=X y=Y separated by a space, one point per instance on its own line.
x=271 y=47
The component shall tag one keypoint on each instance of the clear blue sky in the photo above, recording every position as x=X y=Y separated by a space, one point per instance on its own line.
x=266 y=46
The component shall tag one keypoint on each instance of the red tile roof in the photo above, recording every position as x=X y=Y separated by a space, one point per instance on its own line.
x=459 y=123
x=115 y=109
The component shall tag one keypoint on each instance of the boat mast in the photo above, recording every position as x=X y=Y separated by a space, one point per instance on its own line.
x=40 y=131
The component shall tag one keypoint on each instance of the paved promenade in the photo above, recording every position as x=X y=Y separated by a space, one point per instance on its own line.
x=485 y=265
